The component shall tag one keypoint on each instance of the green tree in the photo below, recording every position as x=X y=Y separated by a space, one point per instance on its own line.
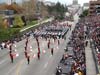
x=43 y=11
x=18 y=22
x=84 y=13
x=6 y=34
x=58 y=10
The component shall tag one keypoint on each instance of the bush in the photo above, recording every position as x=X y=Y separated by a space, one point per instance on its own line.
x=59 y=17
x=8 y=33
x=16 y=26
x=32 y=23
x=18 y=22
x=84 y=13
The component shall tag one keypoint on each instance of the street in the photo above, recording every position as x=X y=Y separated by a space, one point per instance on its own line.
x=44 y=37
x=45 y=66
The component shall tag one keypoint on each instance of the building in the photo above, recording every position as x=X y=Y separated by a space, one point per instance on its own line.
x=49 y=3
x=7 y=12
x=30 y=7
x=75 y=2
x=74 y=7
x=85 y=6
x=94 y=7
x=9 y=2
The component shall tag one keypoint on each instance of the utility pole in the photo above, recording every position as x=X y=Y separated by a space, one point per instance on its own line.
x=39 y=8
x=11 y=1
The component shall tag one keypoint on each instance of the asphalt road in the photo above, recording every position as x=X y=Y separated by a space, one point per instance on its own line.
x=45 y=66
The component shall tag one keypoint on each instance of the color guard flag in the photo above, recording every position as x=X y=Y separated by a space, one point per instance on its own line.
x=30 y=47
x=44 y=51
x=34 y=55
x=31 y=50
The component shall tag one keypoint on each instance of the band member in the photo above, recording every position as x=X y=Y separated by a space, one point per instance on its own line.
x=86 y=43
x=10 y=47
x=28 y=59
x=39 y=49
x=37 y=39
x=26 y=54
x=11 y=56
x=58 y=42
x=38 y=44
x=25 y=48
x=48 y=45
x=26 y=42
x=38 y=55
x=52 y=51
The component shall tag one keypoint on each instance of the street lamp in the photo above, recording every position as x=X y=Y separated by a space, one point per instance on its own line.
x=11 y=1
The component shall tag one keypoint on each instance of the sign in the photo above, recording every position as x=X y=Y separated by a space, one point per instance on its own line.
x=8 y=12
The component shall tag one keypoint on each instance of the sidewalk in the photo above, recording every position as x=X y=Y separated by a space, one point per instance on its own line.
x=90 y=63
x=50 y=19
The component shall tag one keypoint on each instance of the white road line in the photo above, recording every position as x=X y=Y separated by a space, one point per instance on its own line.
x=50 y=56
x=46 y=65
x=47 y=62
x=11 y=69
x=57 y=47
x=3 y=61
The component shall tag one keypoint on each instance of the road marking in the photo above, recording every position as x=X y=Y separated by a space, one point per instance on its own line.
x=47 y=62
x=50 y=56
x=57 y=47
x=34 y=55
x=44 y=51
x=19 y=67
x=2 y=61
x=46 y=65
x=11 y=69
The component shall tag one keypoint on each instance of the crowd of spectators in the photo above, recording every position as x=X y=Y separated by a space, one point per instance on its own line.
x=93 y=31
x=73 y=61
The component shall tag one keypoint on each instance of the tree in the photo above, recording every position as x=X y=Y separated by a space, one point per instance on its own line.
x=58 y=10
x=44 y=12
x=84 y=13
x=18 y=22
x=24 y=20
x=9 y=33
x=30 y=9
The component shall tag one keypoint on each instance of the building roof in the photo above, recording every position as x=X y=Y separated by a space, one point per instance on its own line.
x=86 y=4
x=13 y=6
x=95 y=2
x=75 y=2
x=49 y=3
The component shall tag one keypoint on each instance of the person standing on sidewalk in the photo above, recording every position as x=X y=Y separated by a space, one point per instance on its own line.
x=70 y=26
x=86 y=43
